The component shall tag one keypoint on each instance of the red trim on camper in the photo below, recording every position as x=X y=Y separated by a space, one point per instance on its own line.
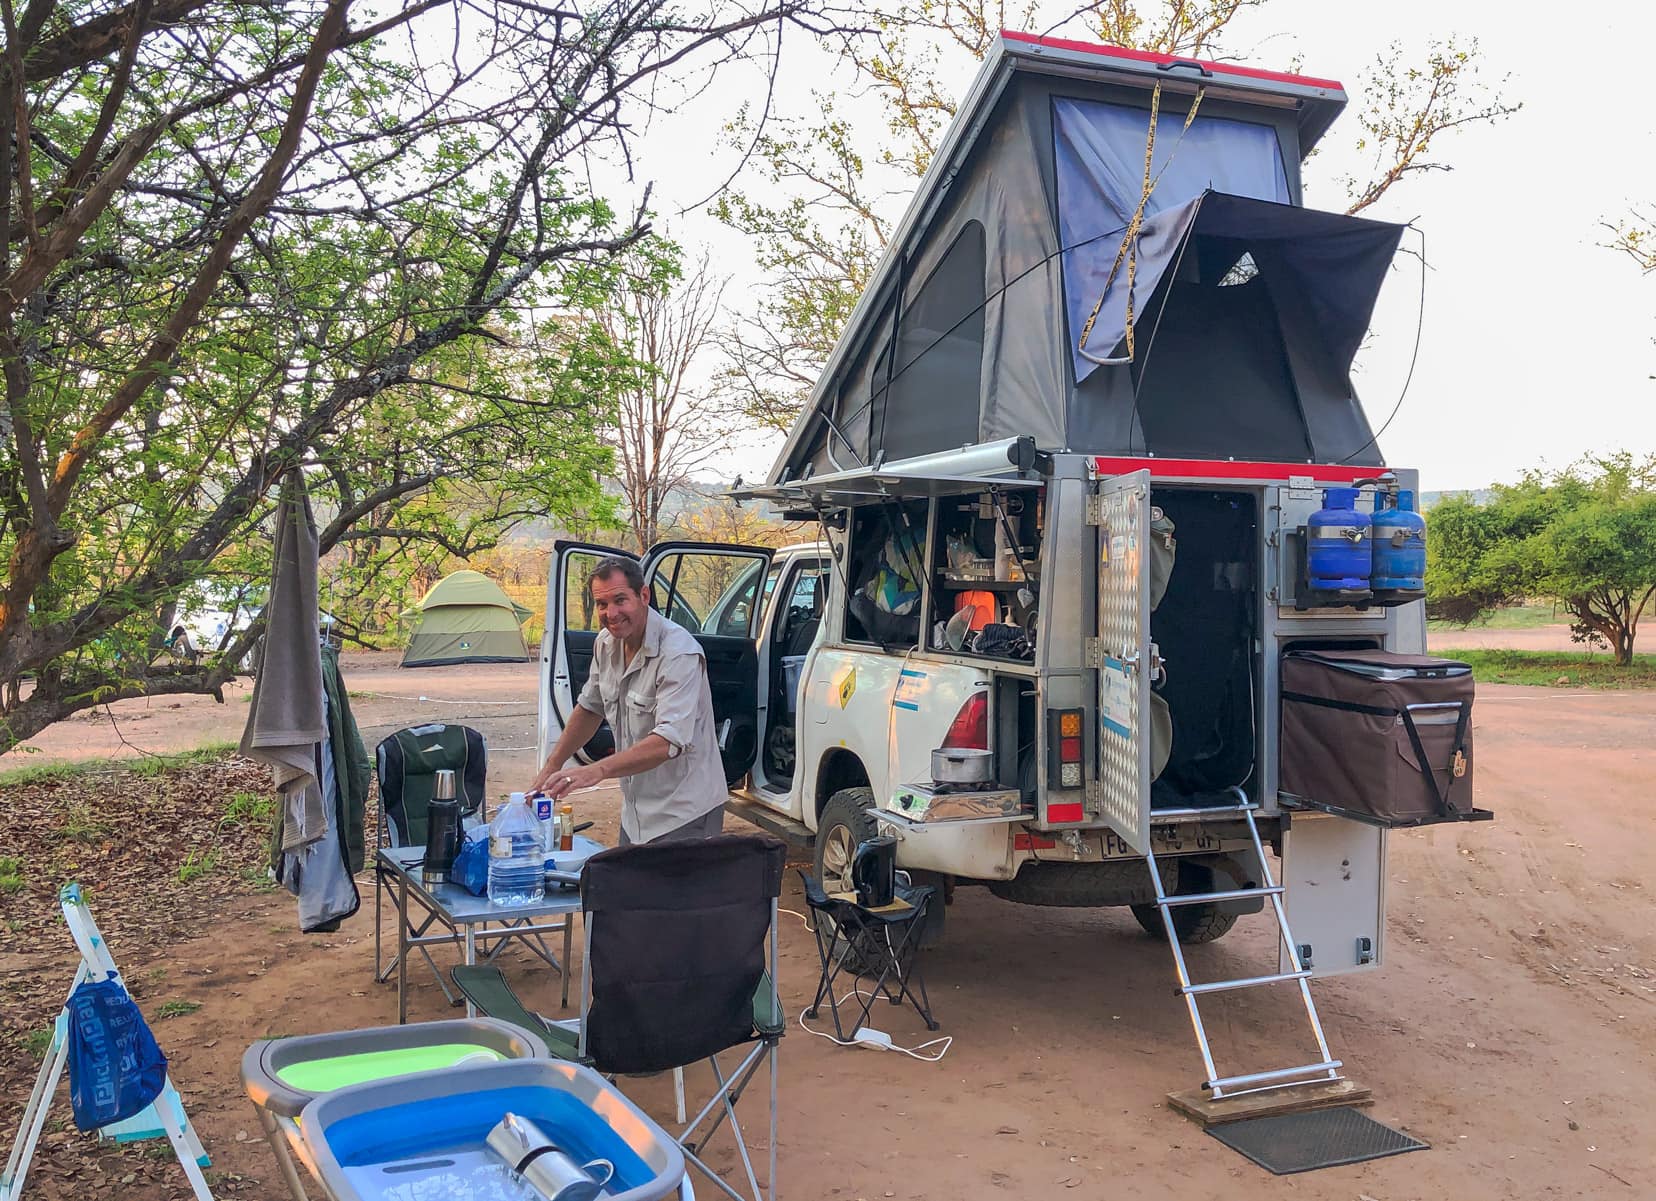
x=1232 y=469
x=1069 y=812
x=1144 y=56
x=1032 y=842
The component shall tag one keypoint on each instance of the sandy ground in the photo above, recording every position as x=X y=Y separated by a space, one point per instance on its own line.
x=1513 y=1026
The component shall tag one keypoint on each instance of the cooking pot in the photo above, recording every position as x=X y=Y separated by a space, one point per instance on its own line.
x=962 y=765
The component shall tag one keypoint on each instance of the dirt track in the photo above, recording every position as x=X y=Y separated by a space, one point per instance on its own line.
x=1513 y=1028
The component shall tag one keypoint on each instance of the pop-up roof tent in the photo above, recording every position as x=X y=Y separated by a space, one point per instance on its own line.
x=466 y=618
x=1247 y=308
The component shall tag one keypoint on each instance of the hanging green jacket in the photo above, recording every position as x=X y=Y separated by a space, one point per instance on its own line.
x=352 y=767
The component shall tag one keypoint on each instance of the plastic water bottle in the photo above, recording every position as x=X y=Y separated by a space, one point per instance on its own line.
x=517 y=866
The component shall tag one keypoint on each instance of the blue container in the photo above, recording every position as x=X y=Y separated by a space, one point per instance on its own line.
x=1399 y=546
x=426 y=1135
x=1338 y=556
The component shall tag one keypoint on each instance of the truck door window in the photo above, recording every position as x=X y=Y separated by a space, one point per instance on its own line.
x=708 y=593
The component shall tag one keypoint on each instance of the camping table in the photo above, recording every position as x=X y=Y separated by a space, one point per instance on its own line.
x=468 y=917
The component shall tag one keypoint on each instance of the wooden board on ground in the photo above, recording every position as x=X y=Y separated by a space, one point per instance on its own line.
x=1195 y=1103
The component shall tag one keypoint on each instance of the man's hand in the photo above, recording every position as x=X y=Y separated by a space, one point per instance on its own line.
x=550 y=770
x=572 y=779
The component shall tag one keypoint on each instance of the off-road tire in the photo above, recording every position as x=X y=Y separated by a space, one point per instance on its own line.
x=845 y=821
x=1194 y=924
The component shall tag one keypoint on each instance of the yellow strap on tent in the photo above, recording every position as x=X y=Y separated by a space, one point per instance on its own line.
x=1129 y=240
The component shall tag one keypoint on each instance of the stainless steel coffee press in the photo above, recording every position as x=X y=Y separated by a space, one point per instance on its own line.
x=543 y=1165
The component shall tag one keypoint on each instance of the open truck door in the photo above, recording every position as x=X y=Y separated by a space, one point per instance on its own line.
x=566 y=647
x=1124 y=656
x=716 y=591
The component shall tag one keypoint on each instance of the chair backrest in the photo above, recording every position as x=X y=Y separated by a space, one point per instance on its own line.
x=408 y=762
x=676 y=937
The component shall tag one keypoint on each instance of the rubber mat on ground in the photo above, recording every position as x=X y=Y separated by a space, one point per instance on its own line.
x=1324 y=1138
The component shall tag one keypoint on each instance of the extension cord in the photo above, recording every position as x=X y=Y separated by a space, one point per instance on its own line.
x=874 y=1040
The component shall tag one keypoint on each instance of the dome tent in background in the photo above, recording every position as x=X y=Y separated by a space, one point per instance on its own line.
x=466 y=618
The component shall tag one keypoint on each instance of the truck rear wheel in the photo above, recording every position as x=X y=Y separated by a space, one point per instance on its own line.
x=1192 y=923
x=844 y=823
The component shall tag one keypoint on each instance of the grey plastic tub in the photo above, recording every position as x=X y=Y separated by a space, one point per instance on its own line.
x=283 y=1075
x=424 y=1135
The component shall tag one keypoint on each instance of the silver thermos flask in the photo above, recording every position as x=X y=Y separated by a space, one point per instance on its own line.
x=543 y=1165
x=443 y=829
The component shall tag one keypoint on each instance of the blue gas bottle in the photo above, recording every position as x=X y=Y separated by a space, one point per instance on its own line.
x=1399 y=546
x=1338 y=557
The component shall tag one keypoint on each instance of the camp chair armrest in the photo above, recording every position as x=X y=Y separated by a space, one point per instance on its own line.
x=485 y=987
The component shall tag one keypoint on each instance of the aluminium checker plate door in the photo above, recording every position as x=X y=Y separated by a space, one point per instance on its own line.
x=1124 y=671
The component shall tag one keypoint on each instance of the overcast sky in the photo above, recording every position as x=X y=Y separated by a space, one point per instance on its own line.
x=1537 y=341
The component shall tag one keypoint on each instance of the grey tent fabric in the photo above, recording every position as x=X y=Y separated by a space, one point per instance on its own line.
x=285 y=719
x=1045 y=162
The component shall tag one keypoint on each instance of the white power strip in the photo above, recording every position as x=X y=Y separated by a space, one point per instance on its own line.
x=874 y=1040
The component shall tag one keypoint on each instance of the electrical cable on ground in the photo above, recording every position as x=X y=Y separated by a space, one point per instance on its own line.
x=912 y=1052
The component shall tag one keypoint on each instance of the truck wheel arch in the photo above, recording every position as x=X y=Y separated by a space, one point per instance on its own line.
x=840 y=769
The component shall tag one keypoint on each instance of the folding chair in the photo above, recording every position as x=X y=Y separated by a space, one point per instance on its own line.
x=163 y=1117
x=407 y=763
x=677 y=970
x=879 y=944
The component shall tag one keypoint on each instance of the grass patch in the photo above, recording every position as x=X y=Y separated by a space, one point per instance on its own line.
x=158 y=765
x=177 y=1009
x=1555 y=669
x=80 y=824
x=35 y=1042
x=250 y=807
x=11 y=874
x=196 y=866
x=146 y=767
x=49 y=773
x=258 y=879
x=1514 y=617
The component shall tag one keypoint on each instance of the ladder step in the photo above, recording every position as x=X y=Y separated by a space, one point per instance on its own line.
x=1248 y=982
x=1327 y=1065
x=1236 y=894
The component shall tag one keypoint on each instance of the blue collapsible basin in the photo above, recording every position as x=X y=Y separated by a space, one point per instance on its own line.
x=425 y=1135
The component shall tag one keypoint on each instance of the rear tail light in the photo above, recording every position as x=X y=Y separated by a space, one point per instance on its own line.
x=1065 y=747
x=970 y=728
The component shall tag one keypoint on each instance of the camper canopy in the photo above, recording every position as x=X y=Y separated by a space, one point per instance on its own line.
x=466 y=618
x=1245 y=308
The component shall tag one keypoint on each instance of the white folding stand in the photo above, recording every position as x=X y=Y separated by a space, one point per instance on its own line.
x=165 y=1117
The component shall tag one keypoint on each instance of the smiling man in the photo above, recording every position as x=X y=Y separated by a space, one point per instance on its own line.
x=649 y=680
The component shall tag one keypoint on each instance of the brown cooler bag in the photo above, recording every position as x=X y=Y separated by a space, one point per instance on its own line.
x=1377 y=736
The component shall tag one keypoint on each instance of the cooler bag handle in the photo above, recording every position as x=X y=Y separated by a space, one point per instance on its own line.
x=1439 y=795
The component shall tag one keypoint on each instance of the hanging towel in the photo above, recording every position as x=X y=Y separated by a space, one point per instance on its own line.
x=285 y=721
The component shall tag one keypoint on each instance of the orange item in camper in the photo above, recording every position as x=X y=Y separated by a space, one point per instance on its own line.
x=982 y=605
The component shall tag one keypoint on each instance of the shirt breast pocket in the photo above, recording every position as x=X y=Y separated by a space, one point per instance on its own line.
x=641 y=715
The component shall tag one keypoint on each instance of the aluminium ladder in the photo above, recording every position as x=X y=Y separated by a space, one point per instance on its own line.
x=1327 y=1070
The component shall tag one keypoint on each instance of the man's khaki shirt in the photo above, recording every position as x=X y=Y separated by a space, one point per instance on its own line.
x=663 y=691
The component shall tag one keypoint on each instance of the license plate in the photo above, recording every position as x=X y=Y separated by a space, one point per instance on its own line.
x=1168 y=839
